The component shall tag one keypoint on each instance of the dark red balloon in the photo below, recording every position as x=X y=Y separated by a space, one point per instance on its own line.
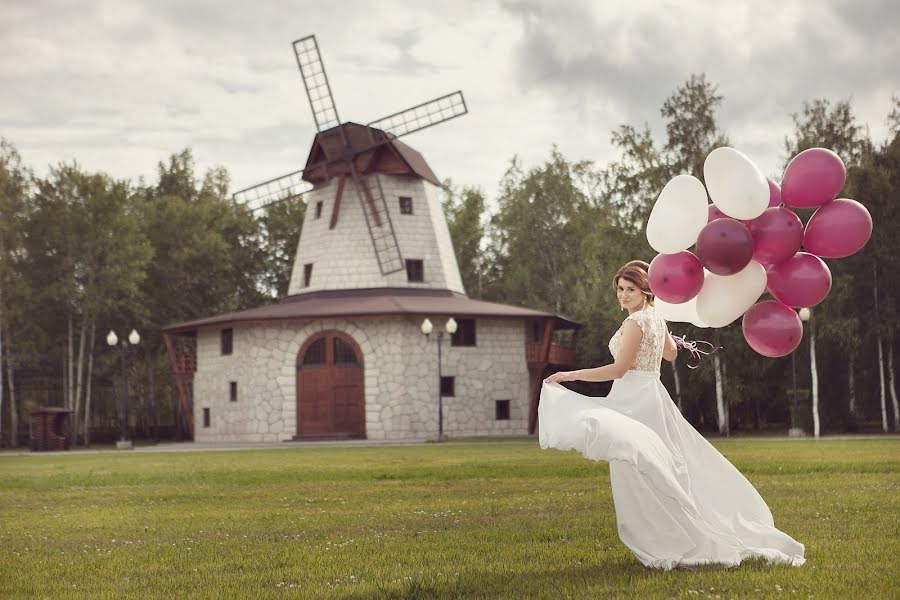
x=675 y=278
x=803 y=280
x=838 y=229
x=777 y=235
x=724 y=246
x=772 y=329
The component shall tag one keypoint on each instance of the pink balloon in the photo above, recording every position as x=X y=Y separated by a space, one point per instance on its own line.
x=777 y=235
x=772 y=329
x=675 y=278
x=838 y=229
x=714 y=213
x=802 y=280
x=774 y=193
x=724 y=246
x=812 y=178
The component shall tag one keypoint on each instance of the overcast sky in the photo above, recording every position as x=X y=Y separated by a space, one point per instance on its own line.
x=119 y=85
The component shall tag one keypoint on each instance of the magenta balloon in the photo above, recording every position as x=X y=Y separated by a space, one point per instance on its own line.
x=802 y=280
x=724 y=246
x=675 y=278
x=714 y=213
x=772 y=329
x=838 y=229
x=812 y=178
x=777 y=235
x=774 y=193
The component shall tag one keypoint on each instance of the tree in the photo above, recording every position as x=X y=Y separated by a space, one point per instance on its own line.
x=465 y=212
x=281 y=224
x=14 y=188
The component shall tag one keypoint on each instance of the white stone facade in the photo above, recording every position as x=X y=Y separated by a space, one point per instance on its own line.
x=401 y=379
x=344 y=257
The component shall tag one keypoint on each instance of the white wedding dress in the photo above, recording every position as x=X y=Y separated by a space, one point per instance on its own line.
x=679 y=503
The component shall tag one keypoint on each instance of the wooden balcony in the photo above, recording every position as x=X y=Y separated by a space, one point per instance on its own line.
x=559 y=355
x=185 y=364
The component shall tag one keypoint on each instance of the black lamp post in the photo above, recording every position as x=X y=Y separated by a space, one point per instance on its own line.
x=113 y=340
x=427 y=328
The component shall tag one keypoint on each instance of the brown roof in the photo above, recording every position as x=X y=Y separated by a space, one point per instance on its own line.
x=373 y=302
x=374 y=151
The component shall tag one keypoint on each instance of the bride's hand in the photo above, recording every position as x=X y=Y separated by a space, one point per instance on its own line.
x=560 y=376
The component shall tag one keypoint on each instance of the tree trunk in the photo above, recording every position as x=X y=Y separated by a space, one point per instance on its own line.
x=79 y=380
x=677 y=386
x=893 y=388
x=13 y=408
x=884 y=419
x=90 y=374
x=1 y=371
x=720 y=405
x=815 y=379
x=851 y=386
x=70 y=364
x=725 y=397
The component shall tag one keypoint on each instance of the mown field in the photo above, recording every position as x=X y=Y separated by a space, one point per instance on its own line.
x=495 y=520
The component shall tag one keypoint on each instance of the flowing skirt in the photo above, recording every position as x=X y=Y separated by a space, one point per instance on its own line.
x=679 y=502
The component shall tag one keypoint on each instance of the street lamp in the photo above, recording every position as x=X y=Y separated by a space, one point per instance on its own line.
x=112 y=340
x=427 y=328
x=804 y=314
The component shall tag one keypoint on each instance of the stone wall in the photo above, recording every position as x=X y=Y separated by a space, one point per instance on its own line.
x=401 y=379
x=344 y=258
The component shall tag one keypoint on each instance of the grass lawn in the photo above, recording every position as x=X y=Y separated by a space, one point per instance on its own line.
x=495 y=520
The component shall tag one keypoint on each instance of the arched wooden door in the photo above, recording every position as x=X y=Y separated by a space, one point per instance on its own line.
x=330 y=387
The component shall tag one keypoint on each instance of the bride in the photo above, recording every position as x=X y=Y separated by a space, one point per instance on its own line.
x=679 y=503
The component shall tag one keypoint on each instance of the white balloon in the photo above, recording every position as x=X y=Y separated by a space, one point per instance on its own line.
x=686 y=312
x=736 y=186
x=678 y=215
x=724 y=298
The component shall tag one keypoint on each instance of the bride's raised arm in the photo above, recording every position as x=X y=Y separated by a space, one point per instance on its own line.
x=628 y=349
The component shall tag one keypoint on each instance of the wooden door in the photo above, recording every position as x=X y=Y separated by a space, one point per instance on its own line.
x=330 y=387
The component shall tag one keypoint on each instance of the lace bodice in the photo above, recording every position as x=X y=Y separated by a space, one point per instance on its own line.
x=649 y=355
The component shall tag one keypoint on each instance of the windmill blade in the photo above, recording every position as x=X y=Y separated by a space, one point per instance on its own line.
x=275 y=190
x=422 y=116
x=316 y=83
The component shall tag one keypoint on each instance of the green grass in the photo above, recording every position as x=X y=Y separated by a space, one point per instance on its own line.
x=432 y=521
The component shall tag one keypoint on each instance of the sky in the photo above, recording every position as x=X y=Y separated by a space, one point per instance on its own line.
x=120 y=85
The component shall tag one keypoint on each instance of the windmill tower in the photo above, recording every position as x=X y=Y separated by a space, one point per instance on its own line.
x=347 y=354
x=394 y=234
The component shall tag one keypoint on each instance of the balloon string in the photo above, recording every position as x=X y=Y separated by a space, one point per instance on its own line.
x=696 y=352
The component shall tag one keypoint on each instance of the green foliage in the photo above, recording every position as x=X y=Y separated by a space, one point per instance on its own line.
x=465 y=213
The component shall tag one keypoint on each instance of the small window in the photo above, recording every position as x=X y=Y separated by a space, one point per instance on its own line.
x=227 y=341
x=406 y=205
x=537 y=332
x=206 y=417
x=307 y=274
x=448 y=386
x=465 y=333
x=502 y=410
x=318 y=209
x=232 y=391
x=415 y=270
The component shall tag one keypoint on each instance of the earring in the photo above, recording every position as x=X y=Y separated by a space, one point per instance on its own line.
x=645 y=303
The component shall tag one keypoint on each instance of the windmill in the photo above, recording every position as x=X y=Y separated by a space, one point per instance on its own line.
x=349 y=149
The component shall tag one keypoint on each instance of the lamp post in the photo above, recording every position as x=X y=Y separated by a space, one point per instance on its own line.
x=427 y=328
x=112 y=341
x=795 y=430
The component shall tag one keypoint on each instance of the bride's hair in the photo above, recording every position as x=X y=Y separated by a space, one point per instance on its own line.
x=636 y=272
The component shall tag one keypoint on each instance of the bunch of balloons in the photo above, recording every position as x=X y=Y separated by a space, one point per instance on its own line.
x=748 y=241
